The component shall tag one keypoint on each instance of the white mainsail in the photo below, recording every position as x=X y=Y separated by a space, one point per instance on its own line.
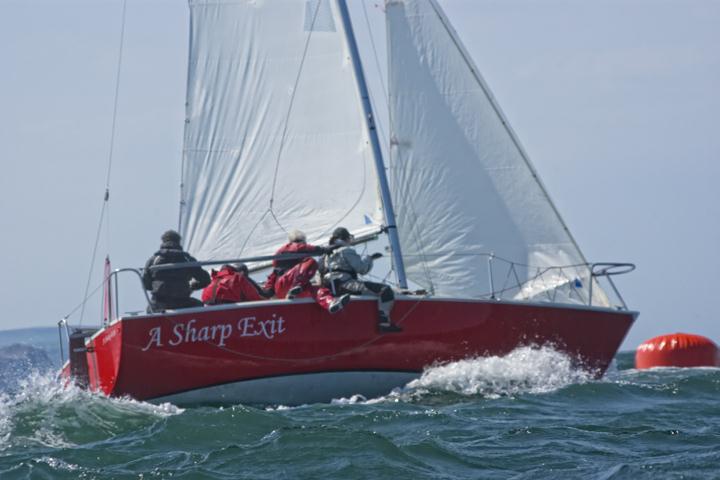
x=275 y=136
x=462 y=186
x=276 y=139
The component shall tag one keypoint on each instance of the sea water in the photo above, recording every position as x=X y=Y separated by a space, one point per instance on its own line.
x=529 y=414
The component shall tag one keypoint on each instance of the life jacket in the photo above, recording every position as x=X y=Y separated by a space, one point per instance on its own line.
x=228 y=286
x=344 y=262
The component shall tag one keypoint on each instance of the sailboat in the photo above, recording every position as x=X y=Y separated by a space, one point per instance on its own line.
x=281 y=132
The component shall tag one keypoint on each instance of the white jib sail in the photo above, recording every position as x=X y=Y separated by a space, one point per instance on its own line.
x=462 y=186
x=275 y=136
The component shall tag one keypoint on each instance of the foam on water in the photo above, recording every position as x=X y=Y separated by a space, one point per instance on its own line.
x=47 y=411
x=525 y=370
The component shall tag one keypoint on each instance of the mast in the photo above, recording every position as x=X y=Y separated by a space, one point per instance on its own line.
x=375 y=142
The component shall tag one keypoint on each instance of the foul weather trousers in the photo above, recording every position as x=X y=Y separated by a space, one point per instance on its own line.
x=301 y=274
x=384 y=294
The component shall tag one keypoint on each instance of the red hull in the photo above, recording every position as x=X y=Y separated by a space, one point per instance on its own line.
x=157 y=356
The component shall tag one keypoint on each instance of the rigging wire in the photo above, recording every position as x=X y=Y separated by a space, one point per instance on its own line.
x=82 y=303
x=284 y=132
x=117 y=95
x=106 y=198
x=386 y=96
x=385 y=134
x=292 y=102
x=283 y=137
x=378 y=123
x=92 y=261
x=379 y=120
x=387 y=139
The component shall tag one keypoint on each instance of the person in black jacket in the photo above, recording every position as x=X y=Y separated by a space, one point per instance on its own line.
x=173 y=288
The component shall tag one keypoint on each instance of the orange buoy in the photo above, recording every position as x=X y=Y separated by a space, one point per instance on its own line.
x=677 y=350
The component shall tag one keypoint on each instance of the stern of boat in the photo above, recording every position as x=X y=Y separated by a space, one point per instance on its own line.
x=103 y=353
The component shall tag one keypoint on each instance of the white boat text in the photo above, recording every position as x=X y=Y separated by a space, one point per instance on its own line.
x=218 y=334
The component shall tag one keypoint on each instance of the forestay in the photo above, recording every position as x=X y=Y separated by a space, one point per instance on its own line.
x=462 y=186
x=275 y=136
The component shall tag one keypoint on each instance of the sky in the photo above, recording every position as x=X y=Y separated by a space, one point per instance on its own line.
x=615 y=101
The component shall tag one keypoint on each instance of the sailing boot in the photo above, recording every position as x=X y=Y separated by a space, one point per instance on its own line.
x=294 y=292
x=339 y=303
x=385 y=325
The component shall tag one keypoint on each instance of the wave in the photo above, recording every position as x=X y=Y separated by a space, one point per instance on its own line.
x=699 y=383
x=46 y=411
x=16 y=360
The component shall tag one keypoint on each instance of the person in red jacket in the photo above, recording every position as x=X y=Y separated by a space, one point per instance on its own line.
x=290 y=278
x=231 y=284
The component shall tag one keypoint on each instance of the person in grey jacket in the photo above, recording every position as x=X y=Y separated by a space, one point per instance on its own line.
x=341 y=268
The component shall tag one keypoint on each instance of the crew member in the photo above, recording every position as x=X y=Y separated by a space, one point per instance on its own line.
x=290 y=277
x=172 y=288
x=343 y=265
x=231 y=284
